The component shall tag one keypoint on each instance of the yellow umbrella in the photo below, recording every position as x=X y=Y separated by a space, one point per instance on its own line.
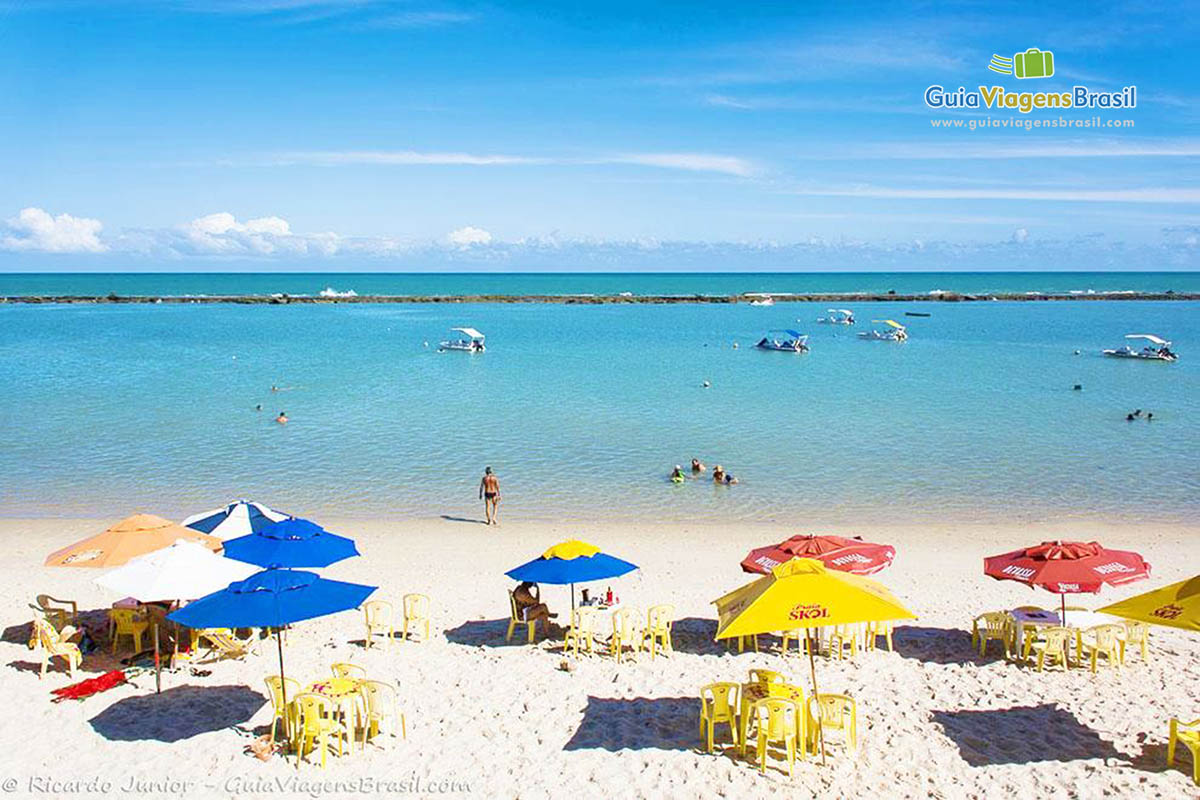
x=803 y=593
x=131 y=537
x=1175 y=606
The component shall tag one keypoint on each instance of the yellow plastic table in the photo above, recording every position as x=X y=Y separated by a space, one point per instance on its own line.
x=752 y=693
x=342 y=692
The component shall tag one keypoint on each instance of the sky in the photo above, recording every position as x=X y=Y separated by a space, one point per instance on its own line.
x=197 y=135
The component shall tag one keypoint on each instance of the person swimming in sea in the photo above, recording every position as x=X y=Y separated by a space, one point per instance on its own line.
x=282 y=419
x=718 y=473
x=697 y=466
x=677 y=474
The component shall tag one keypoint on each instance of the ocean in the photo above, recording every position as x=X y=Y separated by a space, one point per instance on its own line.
x=583 y=410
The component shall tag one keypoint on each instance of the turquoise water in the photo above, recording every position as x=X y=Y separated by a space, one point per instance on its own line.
x=180 y=284
x=582 y=410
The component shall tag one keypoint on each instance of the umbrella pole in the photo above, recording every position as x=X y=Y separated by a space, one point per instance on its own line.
x=287 y=727
x=572 y=597
x=812 y=664
x=157 y=663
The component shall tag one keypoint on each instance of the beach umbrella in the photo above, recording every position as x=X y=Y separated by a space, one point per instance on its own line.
x=272 y=598
x=1175 y=606
x=180 y=572
x=804 y=594
x=236 y=519
x=293 y=542
x=1068 y=568
x=836 y=552
x=131 y=537
x=571 y=562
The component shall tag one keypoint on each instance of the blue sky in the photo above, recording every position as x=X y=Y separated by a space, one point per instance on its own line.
x=331 y=134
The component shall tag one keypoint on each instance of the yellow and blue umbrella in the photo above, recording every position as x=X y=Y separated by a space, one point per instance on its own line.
x=571 y=562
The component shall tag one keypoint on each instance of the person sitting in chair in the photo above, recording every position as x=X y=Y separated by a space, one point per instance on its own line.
x=530 y=606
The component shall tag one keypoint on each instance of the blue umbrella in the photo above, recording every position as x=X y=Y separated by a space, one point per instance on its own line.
x=271 y=599
x=294 y=542
x=571 y=563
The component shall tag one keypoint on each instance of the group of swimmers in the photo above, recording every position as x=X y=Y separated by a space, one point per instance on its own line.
x=719 y=475
x=281 y=417
x=1137 y=414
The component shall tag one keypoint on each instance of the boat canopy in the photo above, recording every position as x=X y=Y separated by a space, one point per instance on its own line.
x=789 y=332
x=845 y=311
x=1150 y=338
x=471 y=332
x=891 y=322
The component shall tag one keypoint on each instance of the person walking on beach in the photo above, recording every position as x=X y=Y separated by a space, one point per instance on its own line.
x=489 y=492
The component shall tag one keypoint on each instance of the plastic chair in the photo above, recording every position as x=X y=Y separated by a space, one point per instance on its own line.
x=1136 y=633
x=1051 y=644
x=282 y=712
x=802 y=639
x=874 y=631
x=777 y=720
x=995 y=627
x=834 y=712
x=841 y=638
x=58 y=613
x=1029 y=608
x=659 y=621
x=379 y=615
x=719 y=703
x=128 y=622
x=626 y=633
x=1101 y=640
x=1187 y=734
x=416 y=612
x=54 y=644
x=766 y=676
x=315 y=724
x=344 y=669
x=380 y=702
x=515 y=618
x=581 y=630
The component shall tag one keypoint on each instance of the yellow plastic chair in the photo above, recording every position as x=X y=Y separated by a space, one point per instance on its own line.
x=282 y=712
x=1052 y=645
x=1029 y=608
x=842 y=638
x=1187 y=734
x=59 y=613
x=1136 y=633
x=344 y=669
x=315 y=725
x=54 y=644
x=379 y=615
x=874 y=631
x=380 y=702
x=516 y=618
x=659 y=621
x=766 y=676
x=777 y=720
x=719 y=703
x=128 y=622
x=1101 y=640
x=992 y=626
x=626 y=633
x=833 y=712
x=582 y=631
x=416 y=612
x=802 y=640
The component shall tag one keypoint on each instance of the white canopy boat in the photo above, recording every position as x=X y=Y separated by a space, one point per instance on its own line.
x=837 y=316
x=762 y=300
x=895 y=332
x=784 y=340
x=1155 y=349
x=471 y=341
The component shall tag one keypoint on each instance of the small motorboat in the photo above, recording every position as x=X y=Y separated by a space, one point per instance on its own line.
x=917 y=314
x=1155 y=349
x=837 y=316
x=471 y=341
x=894 y=332
x=786 y=341
x=763 y=300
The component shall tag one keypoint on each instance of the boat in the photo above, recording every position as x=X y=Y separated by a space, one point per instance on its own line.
x=1155 y=349
x=837 y=316
x=763 y=300
x=895 y=332
x=784 y=340
x=917 y=314
x=471 y=341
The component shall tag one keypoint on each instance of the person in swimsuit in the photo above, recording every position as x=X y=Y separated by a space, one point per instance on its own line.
x=529 y=604
x=489 y=492
x=282 y=419
x=697 y=466
x=718 y=474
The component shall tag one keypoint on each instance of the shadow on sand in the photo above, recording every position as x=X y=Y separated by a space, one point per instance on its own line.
x=450 y=518
x=640 y=723
x=178 y=713
x=1021 y=735
x=940 y=645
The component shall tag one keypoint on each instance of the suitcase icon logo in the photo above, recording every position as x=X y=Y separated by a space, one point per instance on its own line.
x=1033 y=63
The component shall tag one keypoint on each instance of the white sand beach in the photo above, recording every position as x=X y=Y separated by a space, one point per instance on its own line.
x=497 y=720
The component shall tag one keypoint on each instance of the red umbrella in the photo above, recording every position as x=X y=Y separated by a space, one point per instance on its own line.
x=835 y=552
x=1068 y=567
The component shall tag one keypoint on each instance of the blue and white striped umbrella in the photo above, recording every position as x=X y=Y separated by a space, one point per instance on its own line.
x=236 y=519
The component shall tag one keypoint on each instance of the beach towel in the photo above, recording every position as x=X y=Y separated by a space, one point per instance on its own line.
x=91 y=686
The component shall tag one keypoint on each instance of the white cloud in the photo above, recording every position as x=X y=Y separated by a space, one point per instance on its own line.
x=695 y=162
x=465 y=237
x=1152 y=194
x=1020 y=236
x=34 y=229
x=421 y=19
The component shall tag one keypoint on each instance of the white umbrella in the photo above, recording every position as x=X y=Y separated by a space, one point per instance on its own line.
x=184 y=571
x=236 y=519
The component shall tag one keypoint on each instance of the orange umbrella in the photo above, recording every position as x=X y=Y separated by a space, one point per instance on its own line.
x=129 y=538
